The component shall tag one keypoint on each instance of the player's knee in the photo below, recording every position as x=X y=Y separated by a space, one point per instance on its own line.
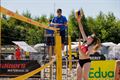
x=85 y=76
x=79 y=76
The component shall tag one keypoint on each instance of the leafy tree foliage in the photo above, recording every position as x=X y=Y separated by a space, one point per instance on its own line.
x=105 y=26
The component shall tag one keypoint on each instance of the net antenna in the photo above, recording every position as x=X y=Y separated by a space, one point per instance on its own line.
x=54 y=5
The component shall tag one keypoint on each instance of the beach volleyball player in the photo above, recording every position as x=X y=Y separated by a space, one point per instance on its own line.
x=89 y=45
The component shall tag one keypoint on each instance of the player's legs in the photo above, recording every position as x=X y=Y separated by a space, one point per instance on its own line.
x=79 y=72
x=86 y=70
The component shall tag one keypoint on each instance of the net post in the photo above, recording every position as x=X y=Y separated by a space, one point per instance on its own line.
x=70 y=53
x=58 y=49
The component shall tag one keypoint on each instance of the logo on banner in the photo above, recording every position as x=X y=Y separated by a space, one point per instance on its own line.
x=102 y=70
x=13 y=68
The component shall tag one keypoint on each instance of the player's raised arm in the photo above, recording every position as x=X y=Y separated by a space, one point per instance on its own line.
x=78 y=17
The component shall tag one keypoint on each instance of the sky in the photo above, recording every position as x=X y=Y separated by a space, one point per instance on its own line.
x=47 y=7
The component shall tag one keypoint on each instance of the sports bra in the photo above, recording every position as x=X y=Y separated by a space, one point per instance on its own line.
x=84 y=48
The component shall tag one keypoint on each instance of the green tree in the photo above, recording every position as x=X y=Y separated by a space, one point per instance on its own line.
x=73 y=26
x=106 y=27
x=51 y=16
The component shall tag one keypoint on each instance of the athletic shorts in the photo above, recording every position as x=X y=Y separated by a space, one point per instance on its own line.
x=50 y=41
x=83 y=61
x=62 y=34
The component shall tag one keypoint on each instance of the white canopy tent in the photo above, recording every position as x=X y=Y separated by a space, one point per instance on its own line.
x=109 y=44
x=23 y=45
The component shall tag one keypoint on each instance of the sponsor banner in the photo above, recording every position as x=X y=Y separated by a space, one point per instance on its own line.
x=13 y=68
x=117 y=71
x=102 y=70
